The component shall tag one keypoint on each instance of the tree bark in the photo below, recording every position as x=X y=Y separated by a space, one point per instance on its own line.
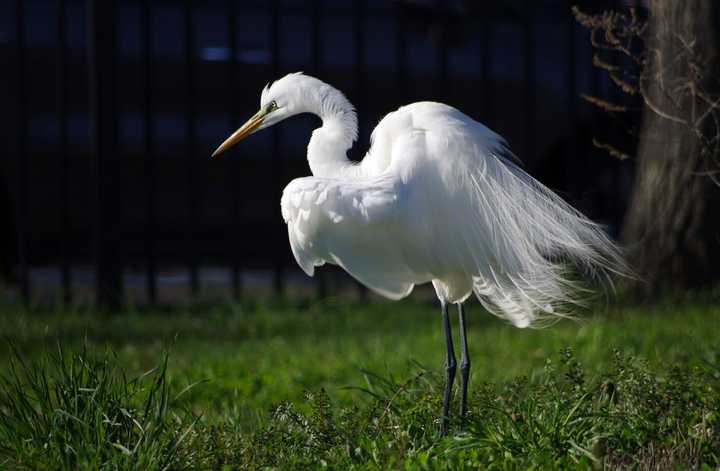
x=672 y=225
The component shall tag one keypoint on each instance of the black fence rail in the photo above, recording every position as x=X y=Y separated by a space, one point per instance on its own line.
x=113 y=108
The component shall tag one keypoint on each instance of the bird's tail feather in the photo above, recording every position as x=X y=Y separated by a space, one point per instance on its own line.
x=533 y=239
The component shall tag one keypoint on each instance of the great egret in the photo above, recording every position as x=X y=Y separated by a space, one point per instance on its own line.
x=438 y=199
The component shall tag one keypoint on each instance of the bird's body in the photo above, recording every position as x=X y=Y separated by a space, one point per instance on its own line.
x=392 y=221
x=437 y=198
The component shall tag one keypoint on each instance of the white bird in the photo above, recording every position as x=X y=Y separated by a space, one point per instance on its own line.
x=437 y=198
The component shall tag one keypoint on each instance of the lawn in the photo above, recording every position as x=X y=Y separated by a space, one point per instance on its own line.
x=347 y=384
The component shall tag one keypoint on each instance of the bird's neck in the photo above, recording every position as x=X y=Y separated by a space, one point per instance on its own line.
x=327 y=150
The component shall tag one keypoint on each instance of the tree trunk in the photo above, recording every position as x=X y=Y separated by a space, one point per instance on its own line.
x=672 y=226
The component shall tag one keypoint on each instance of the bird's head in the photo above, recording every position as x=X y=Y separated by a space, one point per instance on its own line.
x=280 y=100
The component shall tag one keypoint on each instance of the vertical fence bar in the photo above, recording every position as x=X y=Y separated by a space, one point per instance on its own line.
x=315 y=45
x=401 y=60
x=235 y=164
x=360 y=94
x=359 y=52
x=571 y=157
x=441 y=83
x=21 y=220
x=529 y=82
x=599 y=203
x=63 y=158
x=150 y=157
x=485 y=63
x=103 y=121
x=191 y=245
x=279 y=254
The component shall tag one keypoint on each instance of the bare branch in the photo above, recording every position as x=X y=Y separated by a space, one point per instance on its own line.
x=604 y=104
x=624 y=85
x=656 y=109
x=610 y=149
x=673 y=83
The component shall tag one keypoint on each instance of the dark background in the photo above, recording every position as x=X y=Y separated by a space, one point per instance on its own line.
x=110 y=111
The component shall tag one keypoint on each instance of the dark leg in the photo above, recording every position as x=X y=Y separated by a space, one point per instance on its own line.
x=450 y=366
x=464 y=362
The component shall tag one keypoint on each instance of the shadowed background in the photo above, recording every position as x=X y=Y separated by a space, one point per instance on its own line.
x=111 y=110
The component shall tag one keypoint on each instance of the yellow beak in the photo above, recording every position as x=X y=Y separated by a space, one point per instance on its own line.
x=245 y=130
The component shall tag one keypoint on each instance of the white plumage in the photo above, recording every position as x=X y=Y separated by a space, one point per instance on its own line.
x=437 y=198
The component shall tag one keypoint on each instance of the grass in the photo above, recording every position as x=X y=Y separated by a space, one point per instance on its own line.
x=341 y=385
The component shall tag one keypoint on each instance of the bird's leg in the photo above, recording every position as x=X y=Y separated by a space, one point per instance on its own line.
x=450 y=366
x=464 y=362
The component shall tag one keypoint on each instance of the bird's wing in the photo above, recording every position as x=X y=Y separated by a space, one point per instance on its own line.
x=486 y=219
x=353 y=224
x=497 y=224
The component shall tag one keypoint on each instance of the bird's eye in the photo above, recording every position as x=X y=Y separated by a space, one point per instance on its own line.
x=273 y=105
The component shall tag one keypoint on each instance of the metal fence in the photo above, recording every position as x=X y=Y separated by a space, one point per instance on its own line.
x=111 y=123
